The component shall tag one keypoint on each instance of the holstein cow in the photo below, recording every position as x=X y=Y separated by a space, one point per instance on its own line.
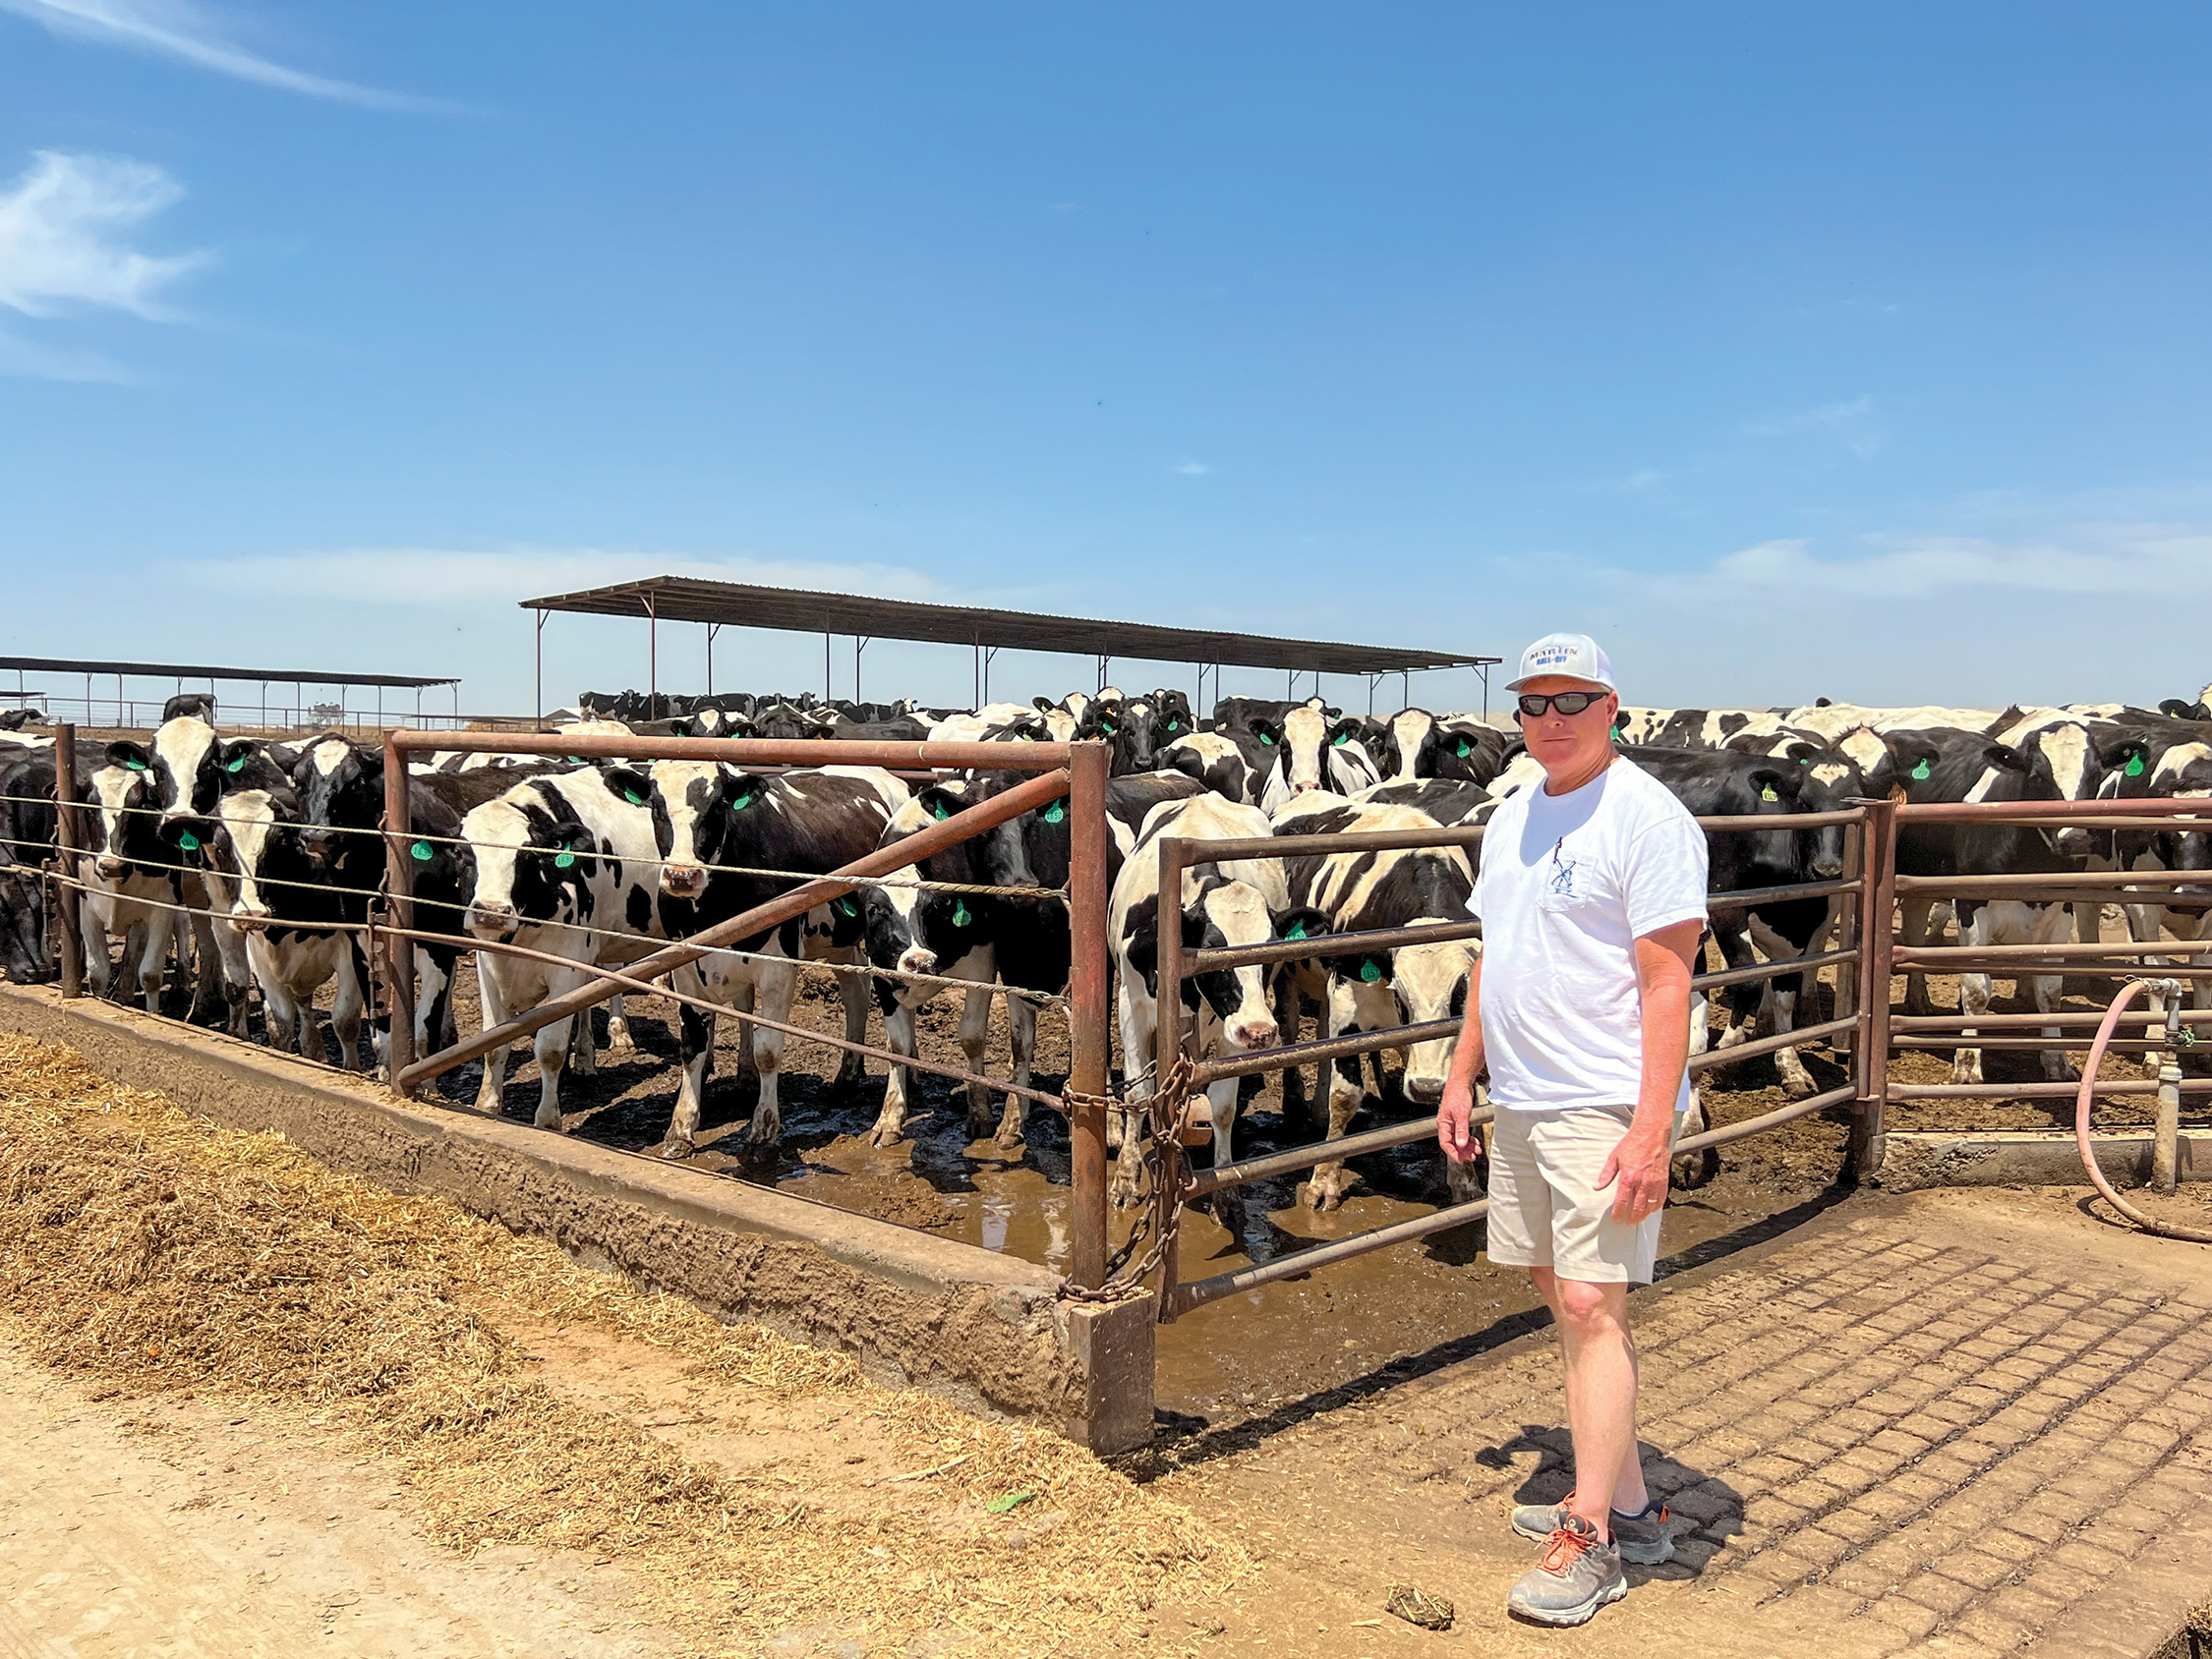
x=1223 y=903
x=566 y=866
x=129 y=890
x=1962 y=765
x=711 y=824
x=1720 y=783
x=294 y=939
x=2145 y=767
x=1139 y=728
x=1413 y=985
x=1216 y=760
x=1311 y=750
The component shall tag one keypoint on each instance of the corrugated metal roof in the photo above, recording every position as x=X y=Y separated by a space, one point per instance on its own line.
x=740 y=605
x=193 y=672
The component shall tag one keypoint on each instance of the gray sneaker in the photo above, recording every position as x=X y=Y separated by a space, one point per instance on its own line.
x=1641 y=1539
x=1578 y=1575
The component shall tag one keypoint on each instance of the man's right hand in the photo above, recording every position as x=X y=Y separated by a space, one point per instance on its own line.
x=1461 y=1144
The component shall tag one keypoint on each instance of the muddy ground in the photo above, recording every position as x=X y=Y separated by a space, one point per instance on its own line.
x=1246 y=1357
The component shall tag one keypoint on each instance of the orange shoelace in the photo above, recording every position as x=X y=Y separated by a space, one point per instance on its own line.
x=1566 y=1548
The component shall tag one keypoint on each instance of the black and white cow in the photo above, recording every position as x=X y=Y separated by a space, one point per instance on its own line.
x=1216 y=760
x=1139 y=728
x=711 y=824
x=1413 y=985
x=130 y=891
x=1224 y=903
x=1951 y=766
x=567 y=866
x=1308 y=751
x=293 y=922
x=2143 y=765
x=1447 y=800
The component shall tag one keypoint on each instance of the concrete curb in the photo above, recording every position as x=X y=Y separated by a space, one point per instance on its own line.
x=984 y=1330
x=1921 y=1158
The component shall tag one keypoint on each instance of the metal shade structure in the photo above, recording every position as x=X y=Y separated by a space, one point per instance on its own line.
x=199 y=673
x=984 y=630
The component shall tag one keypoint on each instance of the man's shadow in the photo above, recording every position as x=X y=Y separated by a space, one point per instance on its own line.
x=1714 y=1513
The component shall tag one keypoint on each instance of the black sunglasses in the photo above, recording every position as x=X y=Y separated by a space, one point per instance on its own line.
x=1535 y=704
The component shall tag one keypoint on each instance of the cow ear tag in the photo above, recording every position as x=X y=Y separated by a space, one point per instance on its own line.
x=1269 y=741
x=1767 y=793
x=740 y=803
x=235 y=764
x=420 y=853
x=1371 y=970
x=1297 y=930
x=960 y=917
x=1921 y=771
x=843 y=907
x=1466 y=748
x=563 y=860
x=134 y=764
x=188 y=840
x=940 y=810
x=633 y=797
x=1056 y=813
x=2135 y=764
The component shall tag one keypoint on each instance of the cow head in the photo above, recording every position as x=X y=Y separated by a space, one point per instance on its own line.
x=121 y=823
x=696 y=808
x=535 y=860
x=341 y=789
x=257 y=843
x=1429 y=981
x=1409 y=746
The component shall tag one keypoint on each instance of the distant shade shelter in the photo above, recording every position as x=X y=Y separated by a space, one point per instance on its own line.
x=195 y=676
x=984 y=631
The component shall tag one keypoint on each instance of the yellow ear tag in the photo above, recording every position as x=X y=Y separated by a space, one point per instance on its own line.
x=1767 y=793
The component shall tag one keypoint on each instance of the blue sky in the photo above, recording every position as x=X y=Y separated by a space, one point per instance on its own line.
x=1850 y=353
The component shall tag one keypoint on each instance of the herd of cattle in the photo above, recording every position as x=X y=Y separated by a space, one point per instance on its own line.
x=253 y=863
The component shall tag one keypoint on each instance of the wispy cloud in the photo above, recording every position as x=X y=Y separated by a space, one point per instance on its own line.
x=55 y=229
x=438 y=578
x=1192 y=469
x=176 y=29
x=2105 y=560
x=1852 y=420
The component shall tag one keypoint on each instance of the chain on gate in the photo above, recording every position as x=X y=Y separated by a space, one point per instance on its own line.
x=1174 y=1185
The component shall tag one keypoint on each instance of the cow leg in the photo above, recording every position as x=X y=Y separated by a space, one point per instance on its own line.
x=619 y=1026
x=1021 y=1028
x=779 y=984
x=1464 y=1181
x=91 y=930
x=551 y=1048
x=1288 y=1007
x=1975 y=930
x=280 y=1017
x=853 y=991
x=975 y=1038
x=1330 y=1182
x=1913 y=913
x=695 y=1040
x=1732 y=933
x=2050 y=928
x=898 y=1037
x=583 y=1051
x=1781 y=1000
x=348 y=1007
x=1693 y=1169
x=1138 y=1012
x=433 y=1001
x=491 y=1090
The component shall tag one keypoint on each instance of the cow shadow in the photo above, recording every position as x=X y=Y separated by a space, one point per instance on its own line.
x=1704 y=1512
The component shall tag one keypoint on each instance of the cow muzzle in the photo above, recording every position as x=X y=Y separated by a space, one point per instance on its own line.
x=487 y=917
x=251 y=918
x=1424 y=1090
x=682 y=880
x=1251 y=1031
x=917 y=961
x=109 y=867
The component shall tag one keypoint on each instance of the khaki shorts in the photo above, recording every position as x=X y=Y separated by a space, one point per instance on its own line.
x=1545 y=1210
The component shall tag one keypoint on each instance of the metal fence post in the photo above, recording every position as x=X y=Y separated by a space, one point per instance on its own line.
x=1089 y=1019
x=67 y=843
x=399 y=950
x=1167 y=1046
x=1850 y=933
x=1871 y=1064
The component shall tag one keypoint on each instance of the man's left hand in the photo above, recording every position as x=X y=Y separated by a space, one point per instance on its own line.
x=1640 y=1166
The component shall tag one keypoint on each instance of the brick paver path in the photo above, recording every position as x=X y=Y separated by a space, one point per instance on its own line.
x=1895 y=1426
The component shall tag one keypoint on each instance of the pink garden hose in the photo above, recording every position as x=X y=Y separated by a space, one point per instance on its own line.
x=2082 y=1105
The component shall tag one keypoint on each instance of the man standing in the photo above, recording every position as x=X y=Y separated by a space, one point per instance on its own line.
x=1592 y=896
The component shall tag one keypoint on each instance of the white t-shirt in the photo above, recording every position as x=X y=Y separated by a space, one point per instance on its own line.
x=1567 y=885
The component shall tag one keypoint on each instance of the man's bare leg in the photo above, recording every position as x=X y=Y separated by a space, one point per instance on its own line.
x=1600 y=1361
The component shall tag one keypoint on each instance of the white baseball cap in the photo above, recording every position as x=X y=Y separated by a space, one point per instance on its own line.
x=1576 y=657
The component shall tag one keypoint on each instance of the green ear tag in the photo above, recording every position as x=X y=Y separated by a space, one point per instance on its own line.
x=1371 y=970
x=2135 y=764
x=1767 y=793
x=940 y=810
x=189 y=842
x=633 y=797
x=1466 y=748
x=237 y=764
x=134 y=764
x=740 y=803
x=1298 y=931
x=1269 y=741
x=1056 y=813
x=1174 y=725
x=1921 y=771
x=1342 y=738
x=420 y=853
x=845 y=907
x=1804 y=760
x=680 y=730
x=960 y=917
x=563 y=860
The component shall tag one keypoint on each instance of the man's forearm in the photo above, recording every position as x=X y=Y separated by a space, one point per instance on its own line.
x=1467 y=1058
x=1665 y=1014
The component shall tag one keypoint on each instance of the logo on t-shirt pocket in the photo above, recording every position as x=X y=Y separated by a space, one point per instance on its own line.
x=1563 y=883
